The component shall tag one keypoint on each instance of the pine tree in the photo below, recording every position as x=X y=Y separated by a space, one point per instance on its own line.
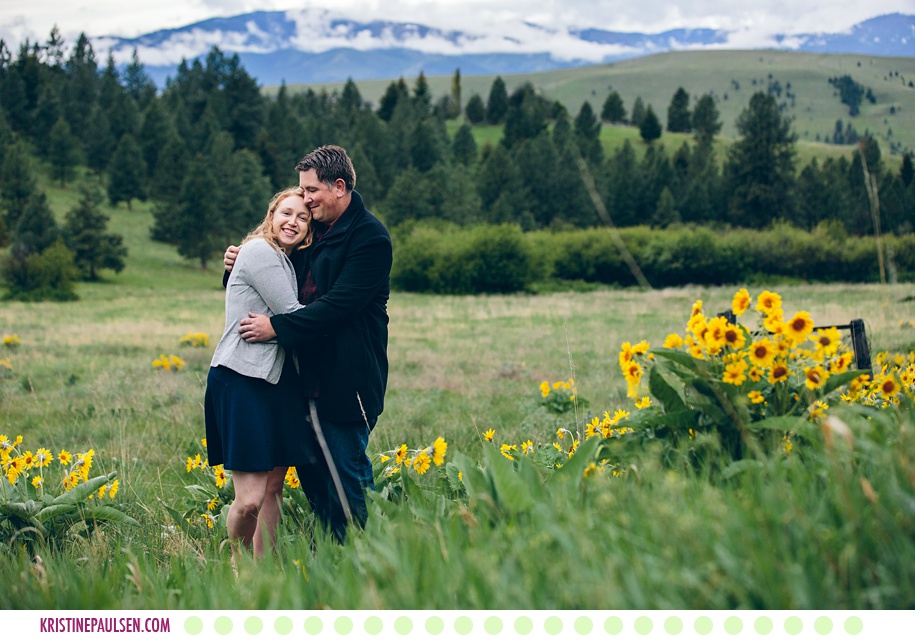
x=156 y=129
x=497 y=105
x=706 y=121
x=587 y=135
x=638 y=112
x=613 y=109
x=137 y=82
x=126 y=173
x=396 y=93
x=422 y=96
x=99 y=143
x=759 y=172
x=526 y=116
x=426 y=149
x=36 y=229
x=907 y=171
x=46 y=115
x=665 y=212
x=650 y=127
x=85 y=235
x=81 y=85
x=196 y=213
x=475 y=109
x=66 y=152
x=503 y=196
x=456 y=100
x=678 y=116
x=464 y=146
x=17 y=184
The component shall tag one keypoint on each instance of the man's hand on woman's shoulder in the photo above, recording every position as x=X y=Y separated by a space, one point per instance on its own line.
x=229 y=258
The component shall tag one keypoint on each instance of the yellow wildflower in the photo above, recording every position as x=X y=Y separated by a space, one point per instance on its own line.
x=644 y=402
x=544 y=388
x=735 y=373
x=211 y=505
x=114 y=488
x=815 y=377
x=741 y=302
x=400 y=454
x=64 y=457
x=799 y=327
x=756 y=397
x=778 y=373
x=768 y=302
x=37 y=481
x=527 y=447
x=673 y=341
x=422 y=462
x=439 y=447
x=506 y=450
x=762 y=353
x=827 y=340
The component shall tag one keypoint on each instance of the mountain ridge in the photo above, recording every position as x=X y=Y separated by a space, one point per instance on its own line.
x=317 y=45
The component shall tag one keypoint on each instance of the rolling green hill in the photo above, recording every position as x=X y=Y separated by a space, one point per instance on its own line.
x=731 y=76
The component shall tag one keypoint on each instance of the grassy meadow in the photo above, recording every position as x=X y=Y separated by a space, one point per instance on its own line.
x=823 y=529
x=731 y=76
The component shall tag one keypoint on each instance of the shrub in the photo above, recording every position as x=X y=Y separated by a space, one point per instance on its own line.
x=49 y=275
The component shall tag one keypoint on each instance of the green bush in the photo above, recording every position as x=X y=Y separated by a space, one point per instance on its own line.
x=450 y=259
x=502 y=259
x=49 y=275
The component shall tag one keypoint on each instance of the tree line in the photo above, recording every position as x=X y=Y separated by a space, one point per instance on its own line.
x=209 y=148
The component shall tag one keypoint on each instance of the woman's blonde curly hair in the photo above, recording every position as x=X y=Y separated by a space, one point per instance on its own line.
x=265 y=229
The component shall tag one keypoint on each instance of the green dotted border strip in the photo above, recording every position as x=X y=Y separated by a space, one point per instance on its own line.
x=502 y=624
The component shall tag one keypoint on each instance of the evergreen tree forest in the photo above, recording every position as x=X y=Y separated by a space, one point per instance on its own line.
x=209 y=148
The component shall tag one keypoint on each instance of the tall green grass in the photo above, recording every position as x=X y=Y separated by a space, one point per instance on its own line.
x=782 y=533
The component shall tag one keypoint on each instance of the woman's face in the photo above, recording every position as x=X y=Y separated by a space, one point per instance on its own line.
x=290 y=222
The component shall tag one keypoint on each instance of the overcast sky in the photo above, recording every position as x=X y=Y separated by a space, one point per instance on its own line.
x=33 y=19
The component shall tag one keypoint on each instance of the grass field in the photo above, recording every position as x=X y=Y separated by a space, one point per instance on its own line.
x=787 y=533
x=814 y=110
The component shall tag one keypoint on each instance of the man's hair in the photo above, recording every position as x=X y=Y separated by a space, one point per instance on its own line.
x=330 y=163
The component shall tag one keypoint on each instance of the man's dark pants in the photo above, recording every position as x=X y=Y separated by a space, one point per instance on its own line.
x=346 y=442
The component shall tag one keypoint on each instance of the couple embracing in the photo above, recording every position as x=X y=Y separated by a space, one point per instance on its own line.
x=299 y=375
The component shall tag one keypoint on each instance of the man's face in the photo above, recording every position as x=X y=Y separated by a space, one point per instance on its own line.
x=326 y=203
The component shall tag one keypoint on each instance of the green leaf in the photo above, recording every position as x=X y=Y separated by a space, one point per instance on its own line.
x=680 y=357
x=512 y=494
x=24 y=510
x=666 y=394
x=839 y=379
x=82 y=492
x=107 y=513
x=56 y=510
x=476 y=483
x=179 y=520
x=575 y=466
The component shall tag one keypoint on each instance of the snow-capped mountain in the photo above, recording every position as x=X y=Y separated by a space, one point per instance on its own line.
x=316 y=45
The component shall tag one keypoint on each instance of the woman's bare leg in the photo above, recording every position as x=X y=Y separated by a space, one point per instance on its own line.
x=243 y=514
x=268 y=519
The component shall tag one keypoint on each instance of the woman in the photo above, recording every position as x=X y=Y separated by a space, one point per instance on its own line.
x=254 y=409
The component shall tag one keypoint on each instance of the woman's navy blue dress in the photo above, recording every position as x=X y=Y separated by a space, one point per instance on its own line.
x=252 y=425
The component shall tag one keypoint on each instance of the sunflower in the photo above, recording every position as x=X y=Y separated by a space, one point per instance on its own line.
x=673 y=341
x=734 y=337
x=815 y=377
x=762 y=353
x=735 y=373
x=401 y=452
x=422 y=462
x=799 y=327
x=644 y=402
x=888 y=387
x=778 y=373
x=741 y=302
x=506 y=450
x=768 y=302
x=715 y=336
x=840 y=363
x=439 y=447
x=756 y=397
x=827 y=340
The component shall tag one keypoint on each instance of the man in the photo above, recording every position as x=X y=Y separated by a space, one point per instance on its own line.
x=340 y=337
